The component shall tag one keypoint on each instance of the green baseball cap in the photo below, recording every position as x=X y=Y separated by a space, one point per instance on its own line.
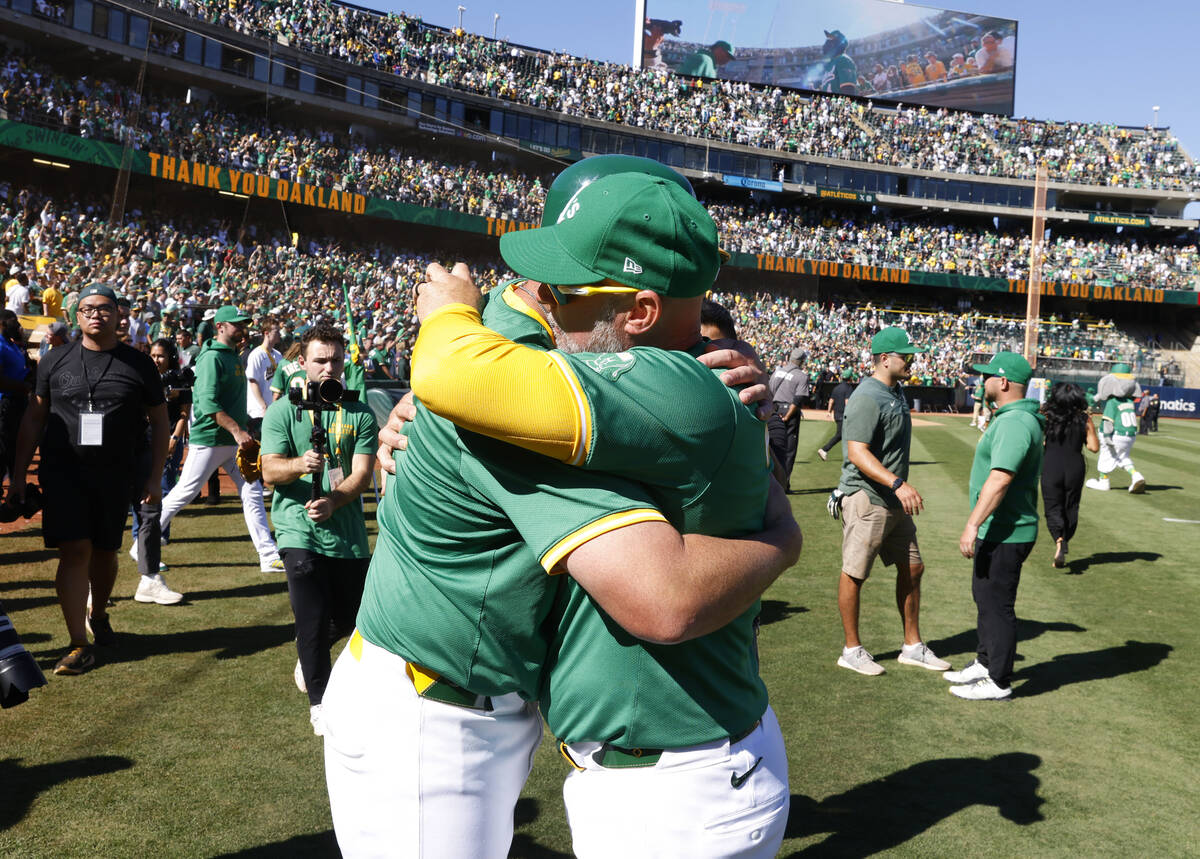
x=723 y=44
x=229 y=313
x=642 y=231
x=96 y=289
x=848 y=373
x=893 y=339
x=1121 y=368
x=1010 y=365
x=583 y=173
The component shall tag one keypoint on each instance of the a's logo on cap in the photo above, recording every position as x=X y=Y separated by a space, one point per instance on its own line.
x=632 y=267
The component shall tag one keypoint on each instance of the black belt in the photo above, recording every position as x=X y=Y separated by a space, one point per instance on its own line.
x=615 y=758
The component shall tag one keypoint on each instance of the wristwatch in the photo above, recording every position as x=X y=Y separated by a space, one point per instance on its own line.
x=897 y=483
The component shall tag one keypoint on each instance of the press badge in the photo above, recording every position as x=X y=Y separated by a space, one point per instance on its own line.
x=91 y=429
x=335 y=477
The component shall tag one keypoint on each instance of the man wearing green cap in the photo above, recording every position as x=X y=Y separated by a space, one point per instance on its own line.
x=219 y=429
x=879 y=504
x=1002 y=526
x=837 y=410
x=705 y=62
x=629 y=260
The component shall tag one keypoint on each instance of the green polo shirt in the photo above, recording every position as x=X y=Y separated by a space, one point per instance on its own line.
x=467 y=532
x=351 y=430
x=1120 y=417
x=1012 y=443
x=877 y=416
x=220 y=387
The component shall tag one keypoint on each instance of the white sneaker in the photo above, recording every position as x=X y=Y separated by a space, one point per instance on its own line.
x=921 y=656
x=298 y=676
x=270 y=565
x=1138 y=485
x=1100 y=483
x=154 y=589
x=984 y=689
x=972 y=671
x=821 y=453
x=316 y=716
x=857 y=659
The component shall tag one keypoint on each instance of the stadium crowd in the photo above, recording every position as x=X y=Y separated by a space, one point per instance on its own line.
x=322 y=156
x=729 y=111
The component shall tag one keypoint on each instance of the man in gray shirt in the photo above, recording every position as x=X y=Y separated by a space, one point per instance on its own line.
x=789 y=393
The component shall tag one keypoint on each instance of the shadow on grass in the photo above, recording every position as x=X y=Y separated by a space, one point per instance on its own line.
x=22 y=603
x=317 y=844
x=217 y=538
x=906 y=803
x=523 y=846
x=1128 y=658
x=1079 y=565
x=820 y=490
x=22 y=784
x=774 y=611
x=30 y=556
x=228 y=642
x=259 y=590
x=1159 y=487
x=967 y=640
x=28 y=583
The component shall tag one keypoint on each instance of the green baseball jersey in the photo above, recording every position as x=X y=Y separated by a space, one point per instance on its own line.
x=220 y=387
x=472 y=610
x=699 y=64
x=351 y=429
x=663 y=418
x=1013 y=443
x=287 y=375
x=838 y=71
x=1120 y=417
x=877 y=416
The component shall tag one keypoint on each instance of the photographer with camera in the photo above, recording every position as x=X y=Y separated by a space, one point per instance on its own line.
x=318 y=450
x=88 y=414
x=219 y=432
x=147 y=535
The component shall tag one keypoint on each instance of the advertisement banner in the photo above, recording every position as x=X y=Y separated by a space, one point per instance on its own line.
x=750 y=182
x=1111 y=220
x=1176 y=402
x=826 y=192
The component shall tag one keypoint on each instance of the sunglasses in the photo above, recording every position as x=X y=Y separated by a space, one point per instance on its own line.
x=906 y=358
x=563 y=294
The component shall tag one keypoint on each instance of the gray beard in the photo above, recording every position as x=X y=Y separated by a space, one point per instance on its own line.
x=604 y=337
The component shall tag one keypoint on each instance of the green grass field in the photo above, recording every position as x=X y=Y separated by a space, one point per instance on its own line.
x=189 y=738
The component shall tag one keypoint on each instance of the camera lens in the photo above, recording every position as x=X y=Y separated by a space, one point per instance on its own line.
x=330 y=391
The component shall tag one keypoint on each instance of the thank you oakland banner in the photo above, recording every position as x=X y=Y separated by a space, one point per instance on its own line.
x=198 y=174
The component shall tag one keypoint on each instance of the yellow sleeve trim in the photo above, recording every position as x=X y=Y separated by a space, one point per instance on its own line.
x=603 y=525
x=485 y=383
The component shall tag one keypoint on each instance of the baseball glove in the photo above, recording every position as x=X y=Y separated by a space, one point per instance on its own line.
x=834 y=504
x=249 y=463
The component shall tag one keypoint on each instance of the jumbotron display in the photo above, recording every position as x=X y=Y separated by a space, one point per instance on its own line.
x=876 y=48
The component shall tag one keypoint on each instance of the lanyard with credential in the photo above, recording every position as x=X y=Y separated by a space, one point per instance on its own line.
x=91 y=422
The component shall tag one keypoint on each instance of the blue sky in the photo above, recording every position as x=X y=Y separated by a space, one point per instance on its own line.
x=1085 y=60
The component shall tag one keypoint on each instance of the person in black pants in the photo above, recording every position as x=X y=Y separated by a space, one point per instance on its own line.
x=837 y=410
x=1068 y=428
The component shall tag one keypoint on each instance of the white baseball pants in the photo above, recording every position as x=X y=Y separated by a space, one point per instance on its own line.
x=200 y=464
x=1116 y=454
x=413 y=777
x=713 y=800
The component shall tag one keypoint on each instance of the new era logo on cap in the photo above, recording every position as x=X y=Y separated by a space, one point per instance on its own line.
x=632 y=267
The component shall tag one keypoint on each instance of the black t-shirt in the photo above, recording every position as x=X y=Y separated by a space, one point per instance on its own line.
x=122 y=382
x=841 y=393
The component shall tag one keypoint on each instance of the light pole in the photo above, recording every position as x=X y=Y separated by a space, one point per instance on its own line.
x=461 y=9
x=495 y=25
x=1155 y=109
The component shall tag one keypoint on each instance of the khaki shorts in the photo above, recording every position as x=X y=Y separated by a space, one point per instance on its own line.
x=869 y=530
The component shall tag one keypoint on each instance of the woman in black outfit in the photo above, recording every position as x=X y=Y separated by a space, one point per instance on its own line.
x=1068 y=428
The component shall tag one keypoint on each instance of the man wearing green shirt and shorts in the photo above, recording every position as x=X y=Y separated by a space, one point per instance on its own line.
x=322 y=541
x=879 y=504
x=219 y=428
x=1002 y=527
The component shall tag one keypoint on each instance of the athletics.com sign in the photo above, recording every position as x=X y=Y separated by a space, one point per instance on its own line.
x=1176 y=402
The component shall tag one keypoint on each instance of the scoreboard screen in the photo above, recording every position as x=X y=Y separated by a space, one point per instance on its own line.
x=878 y=49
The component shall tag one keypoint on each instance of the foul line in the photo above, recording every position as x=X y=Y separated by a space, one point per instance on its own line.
x=1184 y=521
